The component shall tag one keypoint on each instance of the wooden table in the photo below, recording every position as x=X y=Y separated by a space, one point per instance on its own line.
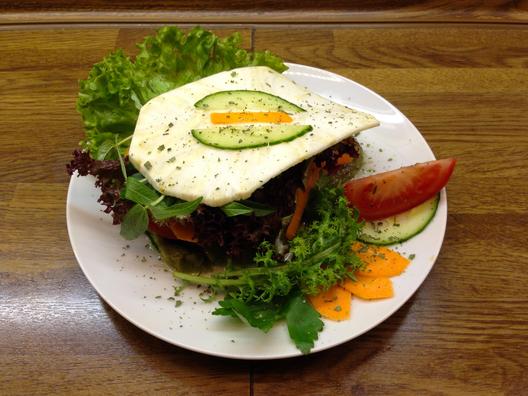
x=464 y=85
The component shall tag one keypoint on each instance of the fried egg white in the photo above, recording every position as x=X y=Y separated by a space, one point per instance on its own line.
x=176 y=164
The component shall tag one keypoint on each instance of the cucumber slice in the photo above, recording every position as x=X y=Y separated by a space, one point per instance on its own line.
x=246 y=101
x=249 y=136
x=401 y=227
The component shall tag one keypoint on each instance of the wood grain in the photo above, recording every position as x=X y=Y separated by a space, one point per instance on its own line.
x=464 y=332
x=466 y=329
x=262 y=11
x=56 y=335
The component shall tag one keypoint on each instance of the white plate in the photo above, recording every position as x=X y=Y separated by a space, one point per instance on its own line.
x=137 y=285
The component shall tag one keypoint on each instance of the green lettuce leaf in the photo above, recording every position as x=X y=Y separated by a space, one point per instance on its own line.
x=107 y=101
x=116 y=88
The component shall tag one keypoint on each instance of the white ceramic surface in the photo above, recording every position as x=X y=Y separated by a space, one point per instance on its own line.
x=131 y=279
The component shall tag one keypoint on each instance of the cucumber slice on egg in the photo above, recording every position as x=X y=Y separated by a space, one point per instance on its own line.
x=244 y=100
x=403 y=226
x=249 y=136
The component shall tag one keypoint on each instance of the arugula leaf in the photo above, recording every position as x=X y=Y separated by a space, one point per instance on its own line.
x=304 y=323
x=146 y=196
x=163 y=212
x=236 y=209
x=247 y=208
x=138 y=192
x=104 y=149
x=116 y=88
x=120 y=158
x=257 y=314
x=135 y=222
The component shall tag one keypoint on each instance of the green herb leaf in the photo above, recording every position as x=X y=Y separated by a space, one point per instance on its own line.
x=144 y=194
x=236 y=209
x=304 y=323
x=121 y=161
x=138 y=192
x=135 y=222
x=104 y=149
x=162 y=211
x=258 y=314
x=246 y=208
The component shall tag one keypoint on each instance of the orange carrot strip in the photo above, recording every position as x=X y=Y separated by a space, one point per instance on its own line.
x=344 y=159
x=273 y=117
x=380 y=261
x=301 y=199
x=312 y=176
x=369 y=288
x=182 y=231
x=333 y=303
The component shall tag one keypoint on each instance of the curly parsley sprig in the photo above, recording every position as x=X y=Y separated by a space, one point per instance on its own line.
x=321 y=257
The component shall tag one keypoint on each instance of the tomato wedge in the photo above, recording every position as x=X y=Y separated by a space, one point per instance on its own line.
x=162 y=230
x=389 y=193
x=182 y=231
x=173 y=230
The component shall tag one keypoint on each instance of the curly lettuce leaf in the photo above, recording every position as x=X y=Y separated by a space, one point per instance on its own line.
x=172 y=58
x=116 y=88
x=108 y=102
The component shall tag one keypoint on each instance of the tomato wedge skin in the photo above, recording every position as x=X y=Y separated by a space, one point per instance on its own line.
x=389 y=193
x=173 y=230
x=162 y=230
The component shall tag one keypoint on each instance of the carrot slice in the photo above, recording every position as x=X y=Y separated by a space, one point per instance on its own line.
x=333 y=303
x=301 y=199
x=380 y=261
x=369 y=288
x=182 y=231
x=275 y=117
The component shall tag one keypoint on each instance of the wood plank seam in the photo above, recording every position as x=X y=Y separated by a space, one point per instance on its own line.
x=228 y=25
x=260 y=17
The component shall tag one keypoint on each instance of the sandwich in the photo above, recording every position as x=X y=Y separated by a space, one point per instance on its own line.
x=241 y=144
